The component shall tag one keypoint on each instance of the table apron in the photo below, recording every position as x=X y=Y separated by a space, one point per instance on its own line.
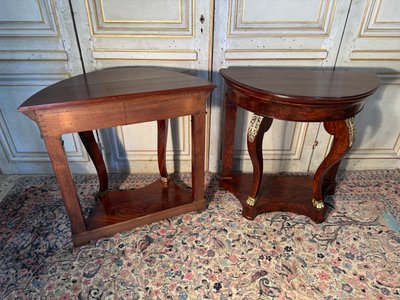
x=57 y=121
x=299 y=112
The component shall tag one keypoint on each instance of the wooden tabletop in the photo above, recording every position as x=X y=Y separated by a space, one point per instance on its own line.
x=112 y=83
x=296 y=85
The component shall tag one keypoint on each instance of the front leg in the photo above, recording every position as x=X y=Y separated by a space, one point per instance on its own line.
x=343 y=132
x=329 y=184
x=66 y=183
x=255 y=135
x=198 y=150
x=229 y=137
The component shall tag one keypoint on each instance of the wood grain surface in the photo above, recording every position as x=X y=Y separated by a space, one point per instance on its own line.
x=331 y=97
x=112 y=84
x=304 y=86
x=114 y=97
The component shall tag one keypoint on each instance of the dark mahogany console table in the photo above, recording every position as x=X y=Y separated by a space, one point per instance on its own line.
x=114 y=97
x=333 y=98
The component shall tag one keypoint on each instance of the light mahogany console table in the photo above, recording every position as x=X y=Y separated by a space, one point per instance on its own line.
x=333 y=98
x=110 y=98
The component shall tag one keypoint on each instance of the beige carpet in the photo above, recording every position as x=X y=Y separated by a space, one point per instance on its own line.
x=215 y=254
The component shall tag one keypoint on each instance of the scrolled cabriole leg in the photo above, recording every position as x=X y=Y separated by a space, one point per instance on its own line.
x=255 y=135
x=343 y=132
x=93 y=149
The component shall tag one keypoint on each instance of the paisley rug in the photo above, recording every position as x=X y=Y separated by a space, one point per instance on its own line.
x=215 y=254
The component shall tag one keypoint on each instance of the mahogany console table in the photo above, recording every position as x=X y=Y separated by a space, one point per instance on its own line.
x=333 y=98
x=114 y=97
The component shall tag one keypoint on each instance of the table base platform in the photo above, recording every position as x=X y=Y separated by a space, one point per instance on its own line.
x=117 y=211
x=286 y=193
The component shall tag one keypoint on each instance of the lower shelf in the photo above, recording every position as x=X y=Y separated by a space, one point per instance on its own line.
x=277 y=193
x=116 y=211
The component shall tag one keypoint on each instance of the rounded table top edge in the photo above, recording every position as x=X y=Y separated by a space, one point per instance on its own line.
x=30 y=104
x=264 y=94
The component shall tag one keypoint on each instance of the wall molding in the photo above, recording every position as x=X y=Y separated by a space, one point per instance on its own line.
x=319 y=26
x=372 y=27
x=276 y=54
x=100 y=26
x=47 y=26
x=293 y=152
x=33 y=55
x=145 y=54
x=122 y=153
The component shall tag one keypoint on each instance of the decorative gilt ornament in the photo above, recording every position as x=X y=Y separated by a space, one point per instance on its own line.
x=251 y=201
x=318 y=204
x=254 y=126
x=352 y=130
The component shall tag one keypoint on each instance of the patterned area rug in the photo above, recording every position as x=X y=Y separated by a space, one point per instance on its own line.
x=215 y=254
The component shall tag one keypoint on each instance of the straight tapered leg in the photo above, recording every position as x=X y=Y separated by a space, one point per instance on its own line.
x=66 y=183
x=229 y=138
x=198 y=149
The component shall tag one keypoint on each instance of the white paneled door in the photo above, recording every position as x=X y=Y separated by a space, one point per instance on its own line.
x=371 y=42
x=44 y=41
x=172 y=34
x=277 y=33
x=37 y=48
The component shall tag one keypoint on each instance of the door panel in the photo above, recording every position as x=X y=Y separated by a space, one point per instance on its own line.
x=371 y=42
x=36 y=50
x=126 y=147
x=156 y=33
x=304 y=33
x=38 y=47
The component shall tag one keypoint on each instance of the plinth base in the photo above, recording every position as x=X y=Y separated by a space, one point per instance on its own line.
x=117 y=211
x=277 y=193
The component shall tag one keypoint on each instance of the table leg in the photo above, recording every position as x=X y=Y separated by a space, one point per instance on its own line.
x=255 y=135
x=229 y=139
x=162 y=149
x=65 y=182
x=198 y=149
x=343 y=132
x=94 y=152
x=329 y=183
